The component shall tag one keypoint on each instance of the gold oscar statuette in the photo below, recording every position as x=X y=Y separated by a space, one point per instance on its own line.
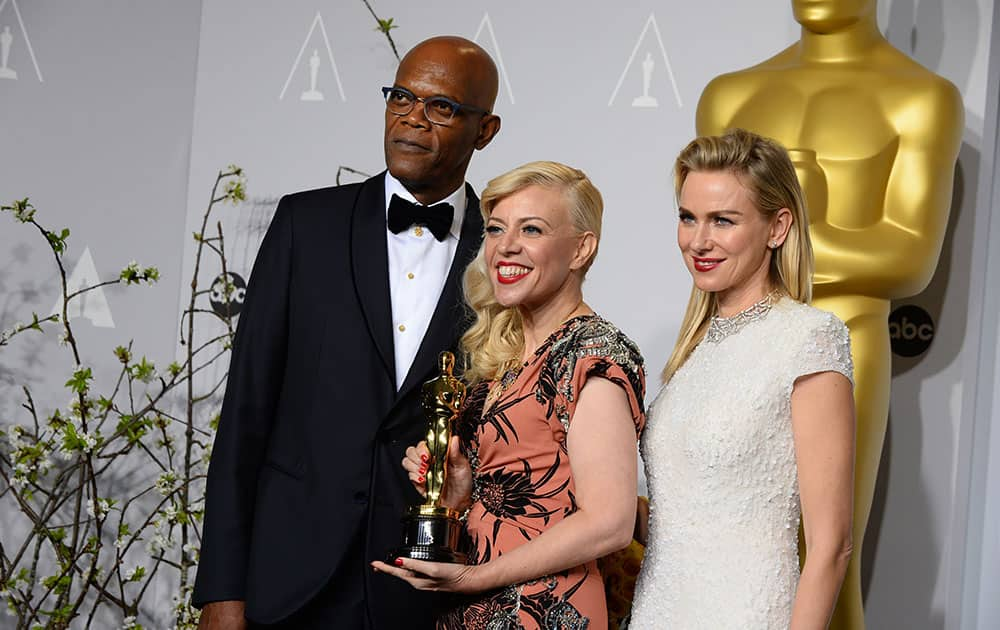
x=431 y=531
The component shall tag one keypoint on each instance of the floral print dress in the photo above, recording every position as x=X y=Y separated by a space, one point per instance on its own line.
x=522 y=480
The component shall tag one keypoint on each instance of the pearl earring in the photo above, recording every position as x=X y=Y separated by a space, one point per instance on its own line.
x=773 y=244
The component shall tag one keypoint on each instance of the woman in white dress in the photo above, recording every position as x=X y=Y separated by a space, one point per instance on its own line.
x=755 y=423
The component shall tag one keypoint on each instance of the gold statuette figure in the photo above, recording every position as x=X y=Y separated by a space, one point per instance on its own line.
x=442 y=398
x=874 y=137
x=431 y=531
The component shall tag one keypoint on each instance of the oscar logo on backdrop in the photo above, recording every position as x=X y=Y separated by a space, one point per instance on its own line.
x=92 y=305
x=649 y=66
x=647 y=75
x=312 y=94
x=874 y=137
x=6 y=39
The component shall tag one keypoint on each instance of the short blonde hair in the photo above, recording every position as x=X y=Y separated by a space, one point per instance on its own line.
x=495 y=340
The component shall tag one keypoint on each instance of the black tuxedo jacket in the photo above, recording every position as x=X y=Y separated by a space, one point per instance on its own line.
x=306 y=464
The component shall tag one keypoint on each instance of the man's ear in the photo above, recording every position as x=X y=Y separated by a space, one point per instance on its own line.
x=489 y=126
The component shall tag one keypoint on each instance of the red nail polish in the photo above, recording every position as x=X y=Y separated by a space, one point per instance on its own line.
x=423 y=457
x=420 y=479
x=399 y=562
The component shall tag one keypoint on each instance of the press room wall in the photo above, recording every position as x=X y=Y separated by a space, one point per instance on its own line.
x=122 y=113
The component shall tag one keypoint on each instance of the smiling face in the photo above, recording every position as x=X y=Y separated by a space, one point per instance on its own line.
x=430 y=160
x=725 y=239
x=533 y=252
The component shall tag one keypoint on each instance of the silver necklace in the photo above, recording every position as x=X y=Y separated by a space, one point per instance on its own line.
x=721 y=327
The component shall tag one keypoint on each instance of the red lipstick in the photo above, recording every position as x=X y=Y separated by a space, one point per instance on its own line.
x=511 y=279
x=706 y=264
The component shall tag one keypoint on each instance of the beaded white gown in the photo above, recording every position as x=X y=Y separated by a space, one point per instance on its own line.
x=720 y=466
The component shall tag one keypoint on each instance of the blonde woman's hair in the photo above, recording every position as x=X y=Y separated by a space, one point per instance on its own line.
x=764 y=168
x=495 y=341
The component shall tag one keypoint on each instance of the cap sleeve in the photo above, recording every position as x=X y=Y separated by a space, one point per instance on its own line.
x=599 y=350
x=826 y=348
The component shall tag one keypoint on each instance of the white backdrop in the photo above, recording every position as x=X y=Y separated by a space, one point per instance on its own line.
x=121 y=114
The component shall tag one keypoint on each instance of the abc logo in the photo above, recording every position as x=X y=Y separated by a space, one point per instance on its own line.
x=910 y=330
x=232 y=305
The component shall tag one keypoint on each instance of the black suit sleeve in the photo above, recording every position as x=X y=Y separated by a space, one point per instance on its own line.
x=256 y=374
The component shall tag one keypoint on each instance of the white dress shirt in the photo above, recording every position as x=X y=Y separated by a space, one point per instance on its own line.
x=418 y=268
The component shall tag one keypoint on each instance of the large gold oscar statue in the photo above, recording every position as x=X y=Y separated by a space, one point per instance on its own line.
x=874 y=136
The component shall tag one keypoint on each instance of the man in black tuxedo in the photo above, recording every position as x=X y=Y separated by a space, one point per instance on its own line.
x=355 y=291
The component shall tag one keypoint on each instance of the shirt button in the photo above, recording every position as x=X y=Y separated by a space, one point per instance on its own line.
x=410 y=276
x=419 y=231
x=402 y=328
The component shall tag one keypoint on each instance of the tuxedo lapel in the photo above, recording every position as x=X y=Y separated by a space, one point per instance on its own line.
x=370 y=266
x=450 y=310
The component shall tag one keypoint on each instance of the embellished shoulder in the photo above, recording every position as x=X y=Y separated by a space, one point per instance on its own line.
x=590 y=346
x=823 y=343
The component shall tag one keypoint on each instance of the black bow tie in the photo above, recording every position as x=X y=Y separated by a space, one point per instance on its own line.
x=438 y=218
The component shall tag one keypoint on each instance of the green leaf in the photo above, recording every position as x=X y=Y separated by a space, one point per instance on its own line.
x=385 y=26
x=143 y=371
x=57 y=241
x=80 y=380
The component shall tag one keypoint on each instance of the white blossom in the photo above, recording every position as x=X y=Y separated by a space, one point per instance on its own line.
x=23 y=212
x=102 y=508
x=128 y=623
x=14 y=434
x=171 y=513
x=166 y=482
x=131 y=573
x=158 y=543
x=10 y=332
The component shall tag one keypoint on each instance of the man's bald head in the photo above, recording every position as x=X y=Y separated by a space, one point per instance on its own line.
x=465 y=60
x=430 y=158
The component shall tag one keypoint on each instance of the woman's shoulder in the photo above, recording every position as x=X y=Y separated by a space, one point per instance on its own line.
x=592 y=335
x=797 y=316
x=818 y=340
x=591 y=346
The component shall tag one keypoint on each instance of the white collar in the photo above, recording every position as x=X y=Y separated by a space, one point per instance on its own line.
x=457 y=200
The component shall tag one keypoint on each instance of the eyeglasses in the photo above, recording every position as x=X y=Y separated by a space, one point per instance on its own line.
x=438 y=110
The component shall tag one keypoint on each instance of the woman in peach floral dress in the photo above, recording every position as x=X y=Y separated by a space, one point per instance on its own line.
x=544 y=460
